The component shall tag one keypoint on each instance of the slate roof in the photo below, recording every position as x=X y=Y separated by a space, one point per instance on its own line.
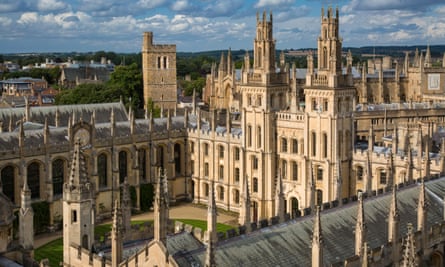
x=84 y=111
x=288 y=244
x=70 y=74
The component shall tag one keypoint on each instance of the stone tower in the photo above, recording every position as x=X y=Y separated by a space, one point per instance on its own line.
x=264 y=91
x=330 y=98
x=159 y=72
x=78 y=212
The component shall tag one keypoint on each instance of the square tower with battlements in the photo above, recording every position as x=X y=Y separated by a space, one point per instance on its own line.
x=159 y=72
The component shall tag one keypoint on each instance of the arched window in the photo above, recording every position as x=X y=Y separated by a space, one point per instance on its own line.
x=221 y=193
x=284 y=169
x=221 y=172
x=255 y=185
x=325 y=145
x=102 y=170
x=123 y=170
x=58 y=170
x=8 y=182
x=383 y=176
x=236 y=196
x=294 y=171
x=314 y=143
x=258 y=140
x=283 y=144
x=295 y=146
x=206 y=189
x=143 y=164
x=160 y=157
x=359 y=173
x=177 y=156
x=33 y=178
x=236 y=175
x=221 y=151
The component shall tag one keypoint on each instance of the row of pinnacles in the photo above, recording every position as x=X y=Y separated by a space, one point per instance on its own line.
x=412 y=250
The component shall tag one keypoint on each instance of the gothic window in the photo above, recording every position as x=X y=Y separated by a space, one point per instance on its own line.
x=294 y=146
x=255 y=185
x=325 y=105
x=206 y=149
x=236 y=175
x=221 y=193
x=259 y=102
x=258 y=140
x=319 y=173
x=236 y=197
x=159 y=63
x=143 y=164
x=249 y=135
x=294 y=171
x=283 y=144
x=383 y=177
x=254 y=162
x=314 y=143
x=73 y=216
x=284 y=169
x=58 y=170
x=177 y=157
x=8 y=181
x=325 y=58
x=206 y=169
x=236 y=152
x=359 y=173
x=102 y=170
x=160 y=157
x=221 y=172
x=33 y=178
x=123 y=171
x=206 y=190
x=325 y=145
x=249 y=99
x=221 y=152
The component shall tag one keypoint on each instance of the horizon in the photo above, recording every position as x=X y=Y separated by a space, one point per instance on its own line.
x=83 y=26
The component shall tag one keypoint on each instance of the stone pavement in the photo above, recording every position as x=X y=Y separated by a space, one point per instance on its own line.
x=182 y=211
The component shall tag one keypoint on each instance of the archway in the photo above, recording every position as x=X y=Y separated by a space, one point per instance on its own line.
x=294 y=207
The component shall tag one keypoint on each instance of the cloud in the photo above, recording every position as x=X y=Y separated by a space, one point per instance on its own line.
x=7 y=6
x=50 y=5
x=180 y=5
x=390 y=4
x=270 y=3
x=151 y=3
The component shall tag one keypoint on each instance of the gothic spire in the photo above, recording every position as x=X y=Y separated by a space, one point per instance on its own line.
x=360 y=227
x=26 y=221
x=78 y=173
x=116 y=236
x=428 y=57
x=126 y=206
x=211 y=228
x=161 y=209
x=409 y=253
x=422 y=209
x=244 y=218
x=394 y=218
x=317 y=241
x=279 y=198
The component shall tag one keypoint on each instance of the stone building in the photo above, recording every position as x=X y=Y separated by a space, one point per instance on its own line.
x=276 y=142
x=159 y=72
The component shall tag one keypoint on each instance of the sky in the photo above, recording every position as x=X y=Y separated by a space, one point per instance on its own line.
x=200 y=25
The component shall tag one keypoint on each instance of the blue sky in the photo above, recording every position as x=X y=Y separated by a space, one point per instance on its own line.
x=199 y=25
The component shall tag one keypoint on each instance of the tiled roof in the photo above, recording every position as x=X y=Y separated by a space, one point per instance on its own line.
x=288 y=244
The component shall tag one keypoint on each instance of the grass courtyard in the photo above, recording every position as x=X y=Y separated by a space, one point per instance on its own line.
x=53 y=251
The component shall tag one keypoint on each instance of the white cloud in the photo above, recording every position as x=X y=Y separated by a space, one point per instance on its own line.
x=265 y=3
x=9 y=5
x=151 y=3
x=5 y=22
x=50 y=5
x=28 y=18
x=180 y=5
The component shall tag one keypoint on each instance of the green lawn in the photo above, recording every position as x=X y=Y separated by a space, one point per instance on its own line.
x=53 y=251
